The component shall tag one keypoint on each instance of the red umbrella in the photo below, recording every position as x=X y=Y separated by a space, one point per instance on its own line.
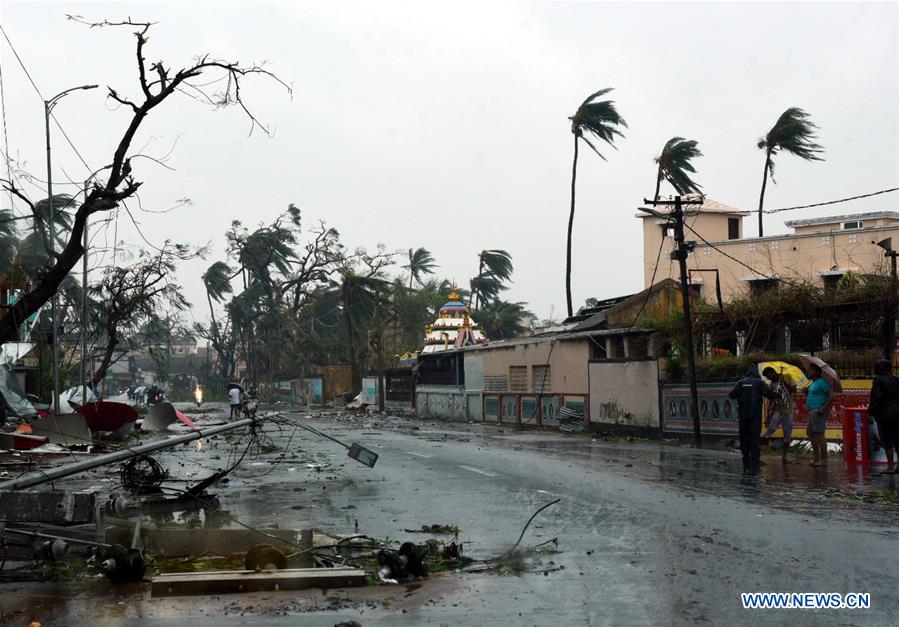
x=827 y=372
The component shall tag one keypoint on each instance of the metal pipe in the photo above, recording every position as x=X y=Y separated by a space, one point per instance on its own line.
x=43 y=476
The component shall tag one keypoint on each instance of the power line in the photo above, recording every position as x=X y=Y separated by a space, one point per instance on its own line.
x=651 y=281
x=33 y=84
x=731 y=257
x=832 y=202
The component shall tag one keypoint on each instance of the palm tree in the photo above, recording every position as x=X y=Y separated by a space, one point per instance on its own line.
x=793 y=132
x=9 y=241
x=502 y=319
x=217 y=280
x=600 y=119
x=421 y=262
x=675 y=167
x=494 y=269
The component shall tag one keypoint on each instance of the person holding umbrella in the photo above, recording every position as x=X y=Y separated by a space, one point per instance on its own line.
x=818 y=401
x=780 y=410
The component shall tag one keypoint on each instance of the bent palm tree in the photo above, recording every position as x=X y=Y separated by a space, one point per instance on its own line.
x=793 y=132
x=421 y=262
x=675 y=167
x=600 y=119
x=494 y=269
x=217 y=280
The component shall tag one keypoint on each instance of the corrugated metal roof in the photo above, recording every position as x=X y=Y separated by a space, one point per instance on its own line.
x=850 y=217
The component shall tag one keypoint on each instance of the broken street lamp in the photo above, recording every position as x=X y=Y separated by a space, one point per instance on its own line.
x=356 y=451
x=363 y=455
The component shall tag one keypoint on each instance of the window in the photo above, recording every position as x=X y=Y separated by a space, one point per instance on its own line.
x=496 y=383
x=760 y=286
x=542 y=378
x=831 y=281
x=518 y=378
x=853 y=238
x=707 y=251
x=752 y=247
x=857 y=224
x=733 y=228
x=616 y=347
x=825 y=241
x=775 y=244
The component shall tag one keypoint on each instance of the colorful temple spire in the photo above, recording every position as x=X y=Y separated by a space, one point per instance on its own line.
x=453 y=327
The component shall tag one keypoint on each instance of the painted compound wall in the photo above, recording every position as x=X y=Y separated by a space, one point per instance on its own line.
x=448 y=403
x=625 y=393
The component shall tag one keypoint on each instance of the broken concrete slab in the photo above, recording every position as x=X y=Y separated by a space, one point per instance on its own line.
x=64 y=429
x=167 y=542
x=229 y=581
x=53 y=506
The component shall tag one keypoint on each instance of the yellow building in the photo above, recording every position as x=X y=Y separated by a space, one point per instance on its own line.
x=819 y=251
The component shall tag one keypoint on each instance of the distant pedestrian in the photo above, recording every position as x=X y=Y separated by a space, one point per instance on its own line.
x=749 y=393
x=234 y=396
x=884 y=408
x=818 y=401
x=780 y=410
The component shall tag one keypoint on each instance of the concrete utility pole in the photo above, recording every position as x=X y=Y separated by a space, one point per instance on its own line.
x=680 y=253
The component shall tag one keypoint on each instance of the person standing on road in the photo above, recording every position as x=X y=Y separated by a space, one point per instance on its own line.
x=884 y=408
x=819 y=400
x=749 y=393
x=234 y=395
x=780 y=410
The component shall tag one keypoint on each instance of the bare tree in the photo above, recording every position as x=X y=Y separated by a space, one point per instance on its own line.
x=157 y=83
x=135 y=296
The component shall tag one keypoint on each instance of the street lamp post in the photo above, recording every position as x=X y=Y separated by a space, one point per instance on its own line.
x=48 y=109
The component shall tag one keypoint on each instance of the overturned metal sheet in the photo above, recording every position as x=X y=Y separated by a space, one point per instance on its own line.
x=65 y=429
x=159 y=417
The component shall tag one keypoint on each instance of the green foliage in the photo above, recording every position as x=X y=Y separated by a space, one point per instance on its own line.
x=501 y=319
x=598 y=118
x=794 y=132
x=421 y=262
x=675 y=165
x=494 y=271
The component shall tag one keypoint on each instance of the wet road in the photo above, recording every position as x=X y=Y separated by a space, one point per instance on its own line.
x=647 y=533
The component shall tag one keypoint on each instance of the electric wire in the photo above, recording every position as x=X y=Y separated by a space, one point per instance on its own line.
x=651 y=283
x=832 y=202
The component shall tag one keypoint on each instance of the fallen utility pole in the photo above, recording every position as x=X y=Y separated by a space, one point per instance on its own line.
x=680 y=253
x=44 y=476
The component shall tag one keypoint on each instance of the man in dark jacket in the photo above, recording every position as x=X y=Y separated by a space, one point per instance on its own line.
x=749 y=392
x=884 y=407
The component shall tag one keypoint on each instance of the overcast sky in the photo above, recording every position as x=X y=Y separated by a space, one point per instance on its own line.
x=446 y=127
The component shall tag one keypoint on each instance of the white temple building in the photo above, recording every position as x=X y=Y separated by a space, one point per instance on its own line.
x=453 y=328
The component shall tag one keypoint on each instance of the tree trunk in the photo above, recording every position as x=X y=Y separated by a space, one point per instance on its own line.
x=762 y=195
x=111 y=344
x=570 y=228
